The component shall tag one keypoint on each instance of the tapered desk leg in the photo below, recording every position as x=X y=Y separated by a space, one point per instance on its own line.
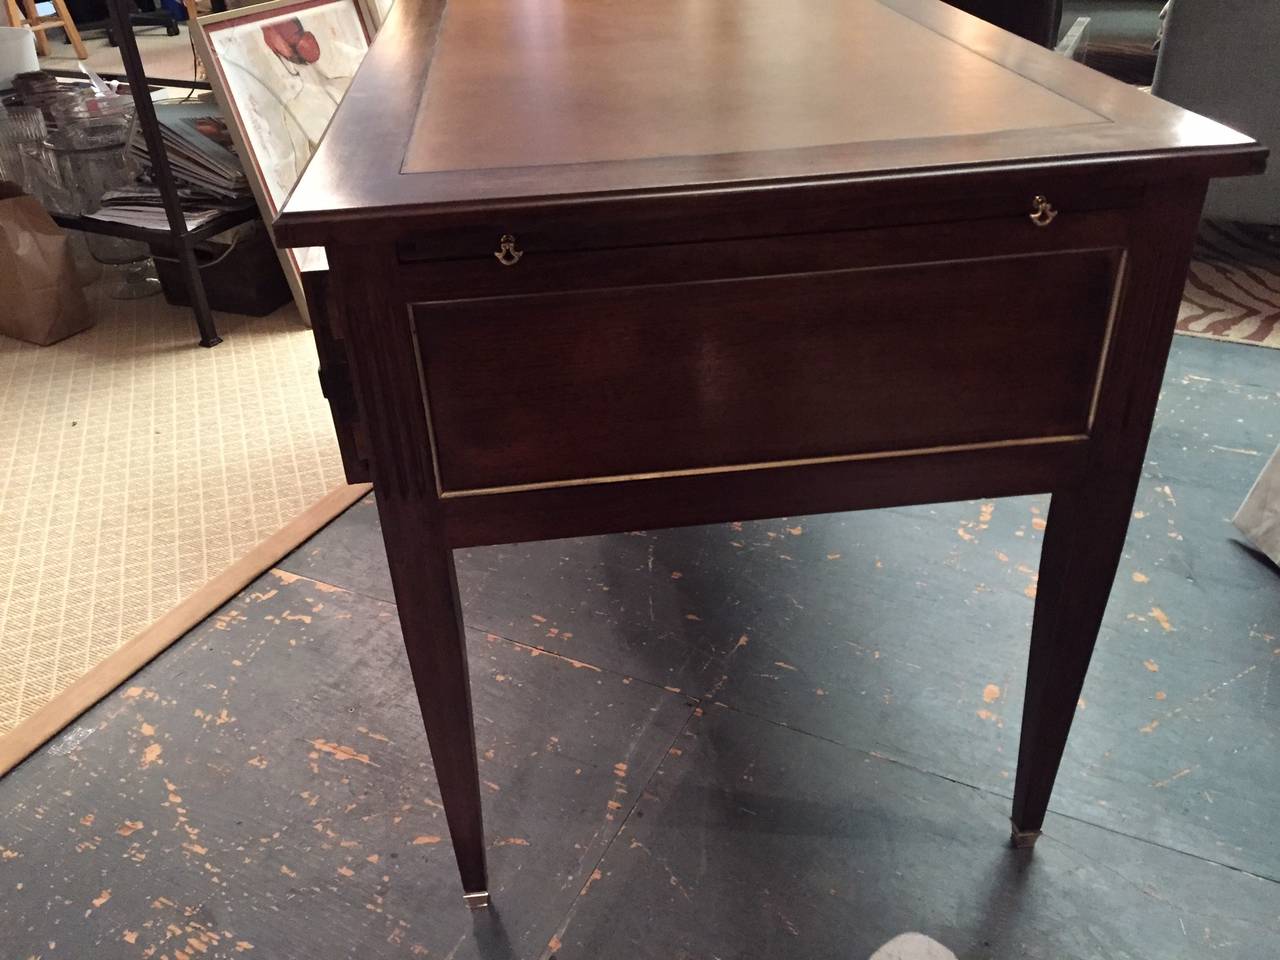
x=363 y=291
x=1082 y=547
x=1089 y=518
x=431 y=618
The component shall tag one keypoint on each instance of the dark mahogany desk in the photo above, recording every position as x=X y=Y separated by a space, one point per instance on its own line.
x=631 y=265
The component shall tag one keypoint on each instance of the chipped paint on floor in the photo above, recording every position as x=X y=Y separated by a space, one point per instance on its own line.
x=841 y=773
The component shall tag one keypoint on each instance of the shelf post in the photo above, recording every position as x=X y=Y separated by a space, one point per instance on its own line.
x=146 y=114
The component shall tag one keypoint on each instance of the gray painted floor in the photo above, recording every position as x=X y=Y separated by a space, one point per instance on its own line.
x=787 y=738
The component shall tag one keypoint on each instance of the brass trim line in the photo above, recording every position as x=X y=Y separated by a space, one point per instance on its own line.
x=765 y=465
x=443 y=494
x=426 y=402
x=1117 y=293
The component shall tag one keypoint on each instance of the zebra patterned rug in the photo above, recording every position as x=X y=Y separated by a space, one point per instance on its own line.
x=1233 y=288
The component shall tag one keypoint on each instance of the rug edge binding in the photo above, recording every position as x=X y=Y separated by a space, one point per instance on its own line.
x=1224 y=339
x=134 y=654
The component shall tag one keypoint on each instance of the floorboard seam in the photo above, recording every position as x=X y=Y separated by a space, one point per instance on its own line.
x=996 y=794
x=1142 y=888
x=1162 y=846
x=337 y=586
x=549 y=950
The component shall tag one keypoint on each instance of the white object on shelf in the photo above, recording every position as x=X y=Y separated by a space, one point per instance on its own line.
x=17 y=54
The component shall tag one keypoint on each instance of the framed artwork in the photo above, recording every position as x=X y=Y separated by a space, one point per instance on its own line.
x=378 y=11
x=279 y=71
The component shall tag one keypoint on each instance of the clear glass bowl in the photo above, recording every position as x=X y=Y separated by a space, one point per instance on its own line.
x=138 y=278
x=72 y=179
x=89 y=121
x=18 y=126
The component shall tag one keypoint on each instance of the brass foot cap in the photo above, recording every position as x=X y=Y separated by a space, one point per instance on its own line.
x=1023 y=839
x=476 y=901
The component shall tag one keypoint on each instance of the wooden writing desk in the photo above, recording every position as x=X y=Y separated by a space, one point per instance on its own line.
x=631 y=265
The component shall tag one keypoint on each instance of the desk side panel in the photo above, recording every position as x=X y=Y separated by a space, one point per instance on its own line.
x=601 y=385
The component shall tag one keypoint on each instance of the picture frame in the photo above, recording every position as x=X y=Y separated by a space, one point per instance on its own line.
x=377 y=12
x=278 y=71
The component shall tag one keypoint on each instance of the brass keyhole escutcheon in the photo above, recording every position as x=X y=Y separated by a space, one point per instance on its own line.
x=508 y=253
x=1044 y=213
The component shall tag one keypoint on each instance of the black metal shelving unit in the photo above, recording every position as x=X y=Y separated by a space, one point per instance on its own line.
x=162 y=239
x=177 y=240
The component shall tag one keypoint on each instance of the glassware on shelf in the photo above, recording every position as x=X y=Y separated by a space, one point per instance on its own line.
x=88 y=121
x=70 y=146
x=40 y=89
x=19 y=126
x=138 y=278
x=43 y=179
x=83 y=153
x=73 y=179
x=11 y=163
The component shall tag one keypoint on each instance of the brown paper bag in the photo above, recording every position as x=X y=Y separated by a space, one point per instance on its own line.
x=40 y=300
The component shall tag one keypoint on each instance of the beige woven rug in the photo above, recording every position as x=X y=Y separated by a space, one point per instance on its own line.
x=1233 y=289
x=135 y=467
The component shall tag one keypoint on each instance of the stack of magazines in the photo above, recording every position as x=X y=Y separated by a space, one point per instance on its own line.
x=209 y=175
x=141 y=206
x=199 y=148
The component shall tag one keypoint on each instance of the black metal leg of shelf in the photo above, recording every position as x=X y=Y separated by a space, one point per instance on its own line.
x=195 y=291
x=179 y=236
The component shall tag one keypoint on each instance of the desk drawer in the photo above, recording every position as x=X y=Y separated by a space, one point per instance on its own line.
x=595 y=384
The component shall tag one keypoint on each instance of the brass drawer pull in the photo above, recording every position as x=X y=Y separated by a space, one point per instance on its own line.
x=508 y=253
x=1044 y=212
